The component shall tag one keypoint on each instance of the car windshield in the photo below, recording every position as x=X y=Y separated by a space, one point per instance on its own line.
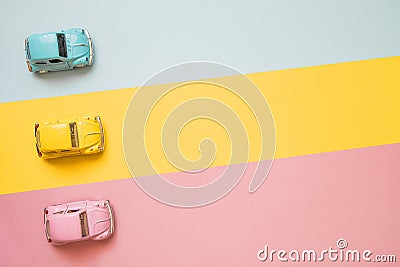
x=73 y=130
x=62 y=46
x=84 y=224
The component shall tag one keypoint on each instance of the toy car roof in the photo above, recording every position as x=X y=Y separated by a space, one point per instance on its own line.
x=43 y=46
x=55 y=136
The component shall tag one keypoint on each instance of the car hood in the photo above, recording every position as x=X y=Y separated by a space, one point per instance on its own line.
x=89 y=134
x=99 y=221
x=65 y=227
x=78 y=45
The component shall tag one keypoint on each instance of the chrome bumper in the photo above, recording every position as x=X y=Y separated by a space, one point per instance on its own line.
x=101 y=147
x=111 y=217
x=26 y=56
x=90 y=46
x=26 y=45
x=45 y=225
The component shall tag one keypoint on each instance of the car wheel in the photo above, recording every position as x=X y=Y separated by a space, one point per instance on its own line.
x=42 y=71
x=80 y=66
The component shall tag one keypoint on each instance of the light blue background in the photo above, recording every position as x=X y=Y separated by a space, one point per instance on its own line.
x=135 y=39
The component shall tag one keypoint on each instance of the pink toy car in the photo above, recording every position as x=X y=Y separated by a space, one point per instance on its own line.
x=78 y=221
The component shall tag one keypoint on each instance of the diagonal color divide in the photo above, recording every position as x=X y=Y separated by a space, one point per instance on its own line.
x=197 y=102
x=316 y=110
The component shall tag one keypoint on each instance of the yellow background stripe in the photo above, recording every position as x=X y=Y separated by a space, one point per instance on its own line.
x=316 y=109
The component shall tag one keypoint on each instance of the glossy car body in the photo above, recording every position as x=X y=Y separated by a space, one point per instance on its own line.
x=69 y=137
x=78 y=221
x=55 y=51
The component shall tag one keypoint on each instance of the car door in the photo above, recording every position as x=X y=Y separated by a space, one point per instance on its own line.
x=58 y=64
x=73 y=148
x=80 y=208
x=42 y=64
x=76 y=207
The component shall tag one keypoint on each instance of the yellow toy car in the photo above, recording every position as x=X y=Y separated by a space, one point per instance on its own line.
x=69 y=137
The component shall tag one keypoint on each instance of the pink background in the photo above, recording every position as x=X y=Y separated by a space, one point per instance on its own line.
x=307 y=202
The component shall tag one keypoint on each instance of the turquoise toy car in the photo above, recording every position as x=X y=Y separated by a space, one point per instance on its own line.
x=55 y=51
